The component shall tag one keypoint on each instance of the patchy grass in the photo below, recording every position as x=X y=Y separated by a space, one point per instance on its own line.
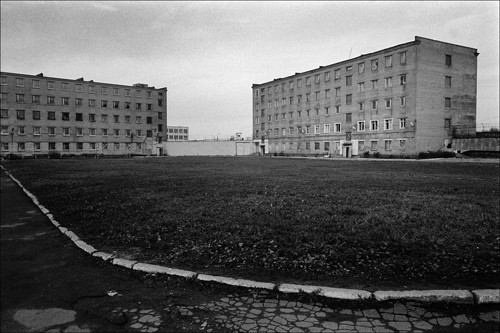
x=340 y=223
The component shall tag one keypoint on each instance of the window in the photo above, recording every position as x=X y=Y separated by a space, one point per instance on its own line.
x=37 y=130
x=316 y=146
x=327 y=76
x=348 y=118
x=52 y=146
x=3 y=97
x=316 y=129
x=3 y=80
x=308 y=97
x=337 y=109
x=92 y=103
x=92 y=117
x=92 y=89
x=299 y=83
x=348 y=80
x=388 y=82
x=160 y=101
x=51 y=85
x=21 y=146
x=35 y=99
x=64 y=100
x=104 y=131
x=308 y=129
x=5 y=130
x=19 y=82
x=447 y=81
x=160 y=127
x=361 y=86
x=326 y=128
x=78 y=102
x=337 y=92
x=283 y=116
x=327 y=93
x=127 y=92
x=149 y=133
x=402 y=101
x=149 y=107
x=448 y=60
x=65 y=116
x=299 y=99
x=374 y=64
x=105 y=146
x=116 y=118
x=127 y=119
x=402 y=143
x=52 y=131
x=348 y=68
x=64 y=86
x=337 y=128
x=316 y=96
x=402 y=79
x=116 y=132
x=65 y=145
x=316 y=79
x=402 y=123
x=361 y=68
x=19 y=98
x=65 y=131
x=348 y=99
x=374 y=84
x=138 y=93
x=388 y=61
x=92 y=131
x=361 y=126
x=78 y=87
x=4 y=113
x=127 y=105
x=402 y=58
x=51 y=115
x=447 y=102
x=447 y=123
x=374 y=125
x=290 y=101
x=388 y=124
x=283 y=131
x=79 y=117
x=137 y=106
x=104 y=90
x=283 y=101
x=387 y=144
x=104 y=118
x=327 y=146
x=337 y=74
x=290 y=85
x=35 y=83
x=299 y=114
x=149 y=120
x=127 y=133
x=373 y=145
x=36 y=115
x=116 y=91
x=374 y=105
x=116 y=104
x=308 y=81
x=104 y=104
x=21 y=130
x=361 y=106
x=388 y=103
x=327 y=110
x=79 y=145
x=138 y=132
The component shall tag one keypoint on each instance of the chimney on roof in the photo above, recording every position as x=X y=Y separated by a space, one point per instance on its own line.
x=40 y=75
x=140 y=85
x=79 y=79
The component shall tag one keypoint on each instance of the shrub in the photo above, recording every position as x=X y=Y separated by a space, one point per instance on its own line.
x=435 y=154
x=55 y=155
x=377 y=154
x=366 y=154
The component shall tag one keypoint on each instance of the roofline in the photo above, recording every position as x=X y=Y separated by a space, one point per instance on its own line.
x=83 y=81
x=417 y=41
x=435 y=40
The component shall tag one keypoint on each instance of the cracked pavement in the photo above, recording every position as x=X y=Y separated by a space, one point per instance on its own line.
x=49 y=285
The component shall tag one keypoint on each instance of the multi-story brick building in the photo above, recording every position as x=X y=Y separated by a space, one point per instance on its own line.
x=402 y=100
x=40 y=115
x=178 y=133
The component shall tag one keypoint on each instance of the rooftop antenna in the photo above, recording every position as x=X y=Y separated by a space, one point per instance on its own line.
x=350 y=53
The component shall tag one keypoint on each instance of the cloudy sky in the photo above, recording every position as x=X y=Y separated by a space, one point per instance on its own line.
x=208 y=54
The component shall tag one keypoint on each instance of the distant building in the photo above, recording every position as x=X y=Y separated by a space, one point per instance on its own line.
x=178 y=133
x=402 y=100
x=41 y=115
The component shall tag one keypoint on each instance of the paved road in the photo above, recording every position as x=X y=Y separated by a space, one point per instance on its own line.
x=48 y=284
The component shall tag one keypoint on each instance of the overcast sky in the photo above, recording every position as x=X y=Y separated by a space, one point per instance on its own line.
x=208 y=54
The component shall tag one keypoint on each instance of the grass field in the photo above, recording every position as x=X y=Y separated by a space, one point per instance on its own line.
x=363 y=224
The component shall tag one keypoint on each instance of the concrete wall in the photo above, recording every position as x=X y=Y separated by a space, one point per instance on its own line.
x=208 y=148
x=491 y=144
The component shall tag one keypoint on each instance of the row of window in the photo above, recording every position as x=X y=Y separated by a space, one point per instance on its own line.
x=65 y=86
x=326 y=75
x=79 y=131
x=360 y=126
x=374 y=65
x=92 y=117
x=21 y=146
x=65 y=101
x=325 y=145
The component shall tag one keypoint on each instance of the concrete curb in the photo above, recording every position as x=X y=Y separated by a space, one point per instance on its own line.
x=479 y=296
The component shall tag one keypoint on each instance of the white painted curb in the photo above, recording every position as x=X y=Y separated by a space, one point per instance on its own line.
x=480 y=296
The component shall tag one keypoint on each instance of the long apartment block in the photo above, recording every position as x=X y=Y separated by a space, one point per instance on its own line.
x=41 y=115
x=409 y=98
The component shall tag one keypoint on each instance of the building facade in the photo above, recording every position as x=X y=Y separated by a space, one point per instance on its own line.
x=178 y=133
x=402 y=100
x=43 y=115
